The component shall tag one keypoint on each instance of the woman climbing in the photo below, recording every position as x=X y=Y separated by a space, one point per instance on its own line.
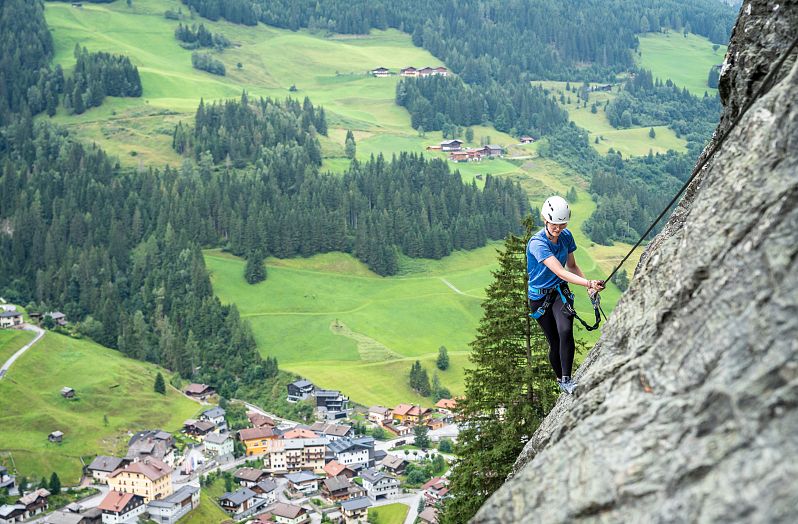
x=551 y=265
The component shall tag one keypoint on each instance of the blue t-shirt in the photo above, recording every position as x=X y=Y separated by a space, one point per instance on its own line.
x=538 y=249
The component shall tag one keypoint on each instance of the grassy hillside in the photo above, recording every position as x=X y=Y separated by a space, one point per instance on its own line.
x=107 y=384
x=685 y=60
x=11 y=340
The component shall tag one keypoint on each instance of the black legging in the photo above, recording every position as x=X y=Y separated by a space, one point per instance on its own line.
x=559 y=331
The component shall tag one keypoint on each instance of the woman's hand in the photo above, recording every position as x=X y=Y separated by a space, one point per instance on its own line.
x=595 y=286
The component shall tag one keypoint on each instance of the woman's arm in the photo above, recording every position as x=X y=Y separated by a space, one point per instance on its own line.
x=573 y=274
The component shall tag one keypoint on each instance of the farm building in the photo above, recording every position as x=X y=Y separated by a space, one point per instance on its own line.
x=55 y=436
x=67 y=392
x=451 y=145
x=200 y=391
x=10 y=319
x=380 y=72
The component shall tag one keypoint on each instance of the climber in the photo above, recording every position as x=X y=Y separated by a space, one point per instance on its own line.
x=551 y=266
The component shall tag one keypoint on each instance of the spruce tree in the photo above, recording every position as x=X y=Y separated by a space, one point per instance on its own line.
x=349 y=145
x=443 y=359
x=509 y=389
x=254 y=271
x=55 y=484
x=160 y=385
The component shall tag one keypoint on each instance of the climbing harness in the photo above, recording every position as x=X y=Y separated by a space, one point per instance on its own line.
x=567 y=299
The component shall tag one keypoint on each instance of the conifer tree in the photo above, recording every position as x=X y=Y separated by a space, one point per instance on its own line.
x=509 y=389
x=443 y=359
x=349 y=145
x=55 y=484
x=254 y=271
x=160 y=386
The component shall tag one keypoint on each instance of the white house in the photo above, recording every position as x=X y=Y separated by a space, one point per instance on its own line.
x=122 y=508
x=351 y=452
x=175 y=506
x=379 y=486
x=215 y=415
x=219 y=444
x=9 y=319
x=102 y=466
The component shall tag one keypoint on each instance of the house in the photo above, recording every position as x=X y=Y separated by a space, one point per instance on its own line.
x=440 y=70
x=219 y=444
x=266 y=490
x=6 y=481
x=379 y=415
x=333 y=431
x=426 y=71
x=356 y=510
x=305 y=454
x=198 y=428
x=303 y=482
x=56 y=436
x=248 y=477
x=199 y=391
x=299 y=433
x=289 y=514
x=410 y=415
x=492 y=150
x=148 y=478
x=429 y=516
x=256 y=440
x=65 y=516
x=379 y=485
x=241 y=503
x=58 y=317
x=152 y=443
x=526 y=139
x=380 y=72
x=10 y=319
x=336 y=489
x=335 y=469
x=435 y=489
x=10 y=513
x=466 y=155
x=215 y=415
x=299 y=390
x=121 y=508
x=409 y=71
x=353 y=452
x=67 y=392
x=379 y=455
x=394 y=464
x=446 y=405
x=35 y=502
x=175 y=506
x=451 y=145
x=398 y=429
x=331 y=404
x=258 y=421
x=102 y=466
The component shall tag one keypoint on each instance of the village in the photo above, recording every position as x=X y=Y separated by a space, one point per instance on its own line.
x=350 y=461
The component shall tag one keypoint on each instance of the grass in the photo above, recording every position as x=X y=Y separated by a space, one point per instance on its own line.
x=107 y=384
x=685 y=60
x=389 y=514
x=11 y=340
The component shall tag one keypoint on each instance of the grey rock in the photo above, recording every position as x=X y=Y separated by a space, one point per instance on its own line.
x=687 y=409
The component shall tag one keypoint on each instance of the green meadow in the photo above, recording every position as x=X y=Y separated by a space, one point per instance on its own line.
x=685 y=60
x=388 y=514
x=11 y=340
x=107 y=385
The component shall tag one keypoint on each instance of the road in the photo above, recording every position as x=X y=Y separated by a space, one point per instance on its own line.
x=27 y=327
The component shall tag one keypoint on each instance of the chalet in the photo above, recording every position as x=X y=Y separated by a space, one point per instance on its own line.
x=451 y=145
x=241 y=503
x=266 y=490
x=303 y=482
x=200 y=391
x=58 y=317
x=379 y=455
x=248 y=477
x=445 y=406
x=118 y=507
x=379 y=415
x=102 y=466
x=353 y=452
x=175 y=506
x=215 y=415
x=35 y=502
x=331 y=404
x=299 y=432
x=379 y=485
x=219 y=444
x=526 y=139
x=289 y=514
x=440 y=70
x=411 y=415
x=429 y=516
x=258 y=421
x=426 y=71
x=335 y=469
x=333 y=431
x=336 y=489
x=67 y=392
x=10 y=319
x=10 y=513
x=56 y=436
x=299 y=390
x=153 y=443
x=380 y=72
x=398 y=429
x=356 y=510
x=198 y=428
x=149 y=478
x=394 y=464
x=435 y=489
x=467 y=155
x=256 y=440
x=77 y=4
x=409 y=71
x=492 y=150
x=6 y=481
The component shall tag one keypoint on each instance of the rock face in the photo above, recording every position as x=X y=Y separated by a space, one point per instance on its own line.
x=687 y=408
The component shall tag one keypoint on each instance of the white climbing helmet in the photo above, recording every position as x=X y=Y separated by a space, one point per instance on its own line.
x=555 y=210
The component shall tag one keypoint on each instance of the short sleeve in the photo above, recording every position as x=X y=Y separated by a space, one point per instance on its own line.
x=539 y=250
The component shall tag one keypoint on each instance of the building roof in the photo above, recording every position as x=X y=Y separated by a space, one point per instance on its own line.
x=327 y=393
x=300 y=477
x=8 y=509
x=64 y=517
x=266 y=485
x=429 y=514
x=201 y=425
x=374 y=476
x=105 y=463
x=302 y=383
x=217 y=438
x=9 y=314
x=298 y=433
x=197 y=389
x=436 y=483
x=55 y=315
x=494 y=146
x=393 y=462
x=379 y=410
x=448 y=142
x=178 y=496
x=238 y=497
x=446 y=403
x=337 y=483
x=381 y=69
x=249 y=474
x=356 y=504
x=57 y=434
x=346 y=443
x=256 y=433
x=336 y=430
x=31 y=497
x=334 y=468
x=288 y=511
x=151 y=468
x=258 y=420
x=214 y=412
x=116 y=501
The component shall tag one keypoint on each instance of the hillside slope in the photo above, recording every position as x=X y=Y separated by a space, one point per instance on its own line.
x=688 y=405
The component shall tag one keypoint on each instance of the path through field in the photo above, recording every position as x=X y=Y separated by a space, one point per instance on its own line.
x=27 y=327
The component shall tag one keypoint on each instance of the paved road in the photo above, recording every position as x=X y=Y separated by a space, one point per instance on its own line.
x=27 y=327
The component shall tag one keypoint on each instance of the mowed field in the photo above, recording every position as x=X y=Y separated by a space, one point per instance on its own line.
x=107 y=384
x=685 y=60
x=11 y=340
